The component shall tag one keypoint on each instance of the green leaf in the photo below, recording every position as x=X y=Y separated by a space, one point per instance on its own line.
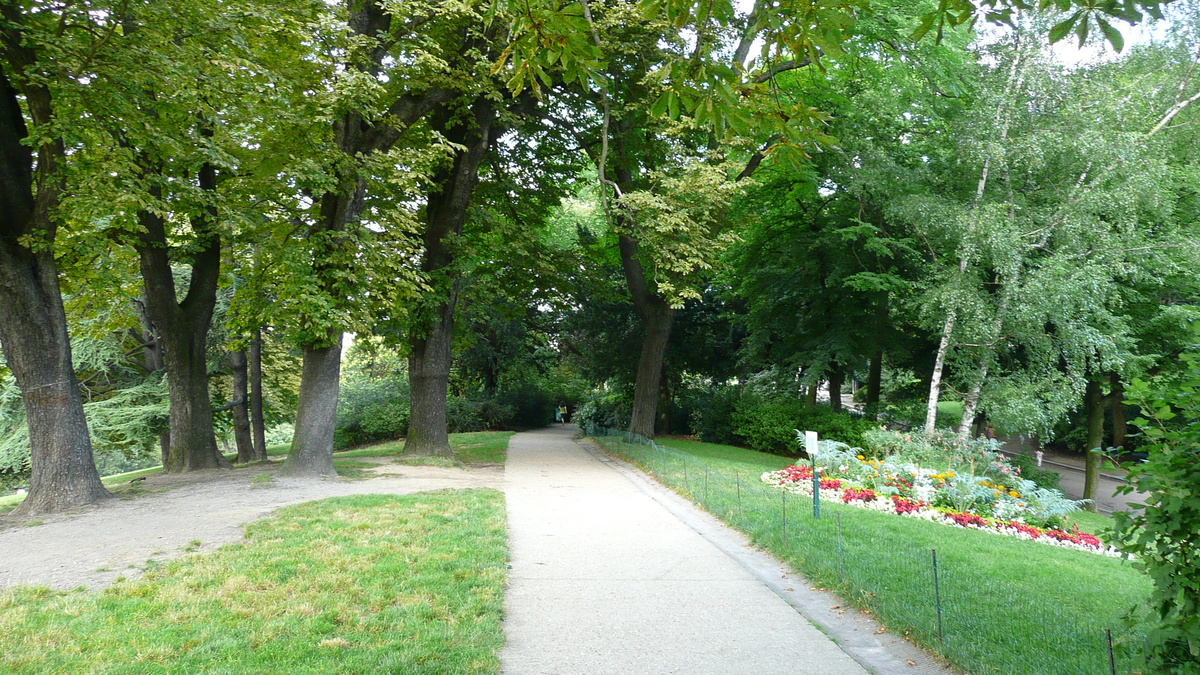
x=1111 y=34
x=1060 y=29
x=659 y=106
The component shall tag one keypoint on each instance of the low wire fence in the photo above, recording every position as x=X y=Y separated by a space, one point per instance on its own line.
x=874 y=561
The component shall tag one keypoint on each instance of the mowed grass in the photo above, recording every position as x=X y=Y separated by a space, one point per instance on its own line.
x=363 y=584
x=480 y=447
x=1008 y=605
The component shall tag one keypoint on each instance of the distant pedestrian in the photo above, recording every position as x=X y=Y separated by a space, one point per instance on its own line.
x=562 y=412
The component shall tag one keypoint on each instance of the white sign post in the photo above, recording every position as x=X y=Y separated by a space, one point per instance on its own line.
x=810 y=445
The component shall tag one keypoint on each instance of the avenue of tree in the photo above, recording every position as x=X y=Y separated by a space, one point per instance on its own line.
x=816 y=195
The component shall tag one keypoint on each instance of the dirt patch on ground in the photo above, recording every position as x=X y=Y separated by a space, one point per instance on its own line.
x=164 y=516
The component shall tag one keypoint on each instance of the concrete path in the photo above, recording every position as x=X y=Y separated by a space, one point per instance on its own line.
x=606 y=579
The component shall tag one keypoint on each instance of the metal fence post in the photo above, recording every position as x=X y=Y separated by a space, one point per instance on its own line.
x=841 y=565
x=784 y=494
x=1112 y=662
x=737 y=477
x=937 y=596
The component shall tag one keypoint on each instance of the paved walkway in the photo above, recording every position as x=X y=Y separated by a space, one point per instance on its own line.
x=606 y=579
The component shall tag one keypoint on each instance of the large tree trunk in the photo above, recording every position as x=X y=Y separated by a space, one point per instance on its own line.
x=241 y=415
x=1120 y=427
x=429 y=378
x=836 y=375
x=256 y=398
x=316 y=417
x=445 y=214
x=1093 y=402
x=193 y=443
x=33 y=323
x=657 y=321
x=33 y=332
x=183 y=331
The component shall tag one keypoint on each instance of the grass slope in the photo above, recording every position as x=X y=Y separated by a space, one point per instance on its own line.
x=373 y=583
x=1008 y=605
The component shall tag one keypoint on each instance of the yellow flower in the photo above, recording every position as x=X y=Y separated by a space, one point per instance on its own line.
x=1013 y=494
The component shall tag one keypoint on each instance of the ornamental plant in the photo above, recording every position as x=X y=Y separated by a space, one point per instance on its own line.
x=1162 y=538
x=963 y=484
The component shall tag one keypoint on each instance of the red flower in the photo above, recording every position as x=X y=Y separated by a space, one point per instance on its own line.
x=968 y=519
x=852 y=494
x=907 y=506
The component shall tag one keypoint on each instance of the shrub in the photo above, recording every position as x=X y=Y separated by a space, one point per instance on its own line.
x=1162 y=537
x=370 y=411
x=711 y=414
x=769 y=424
x=611 y=410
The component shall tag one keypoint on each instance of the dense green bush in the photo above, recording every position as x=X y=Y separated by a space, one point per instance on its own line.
x=605 y=409
x=711 y=414
x=372 y=410
x=769 y=423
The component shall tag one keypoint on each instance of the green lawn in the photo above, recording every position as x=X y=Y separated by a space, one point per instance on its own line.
x=481 y=447
x=1008 y=605
x=364 y=584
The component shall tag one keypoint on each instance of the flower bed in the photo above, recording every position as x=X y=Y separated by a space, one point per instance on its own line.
x=978 y=489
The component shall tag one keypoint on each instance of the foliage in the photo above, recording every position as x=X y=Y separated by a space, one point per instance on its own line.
x=768 y=423
x=126 y=410
x=1162 y=536
x=712 y=411
x=1043 y=478
x=605 y=408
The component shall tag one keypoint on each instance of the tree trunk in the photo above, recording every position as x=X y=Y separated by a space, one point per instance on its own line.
x=33 y=323
x=316 y=416
x=183 y=327
x=33 y=333
x=152 y=355
x=429 y=378
x=256 y=398
x=835 y=386
x=658 y=322
x=193 y=443
x=1120 y=427
x=971 y=403
x=874 y=383
x=1094 y=406
x=445 y=214
x=810 y=396
x=241 y=415
x=935 y=383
